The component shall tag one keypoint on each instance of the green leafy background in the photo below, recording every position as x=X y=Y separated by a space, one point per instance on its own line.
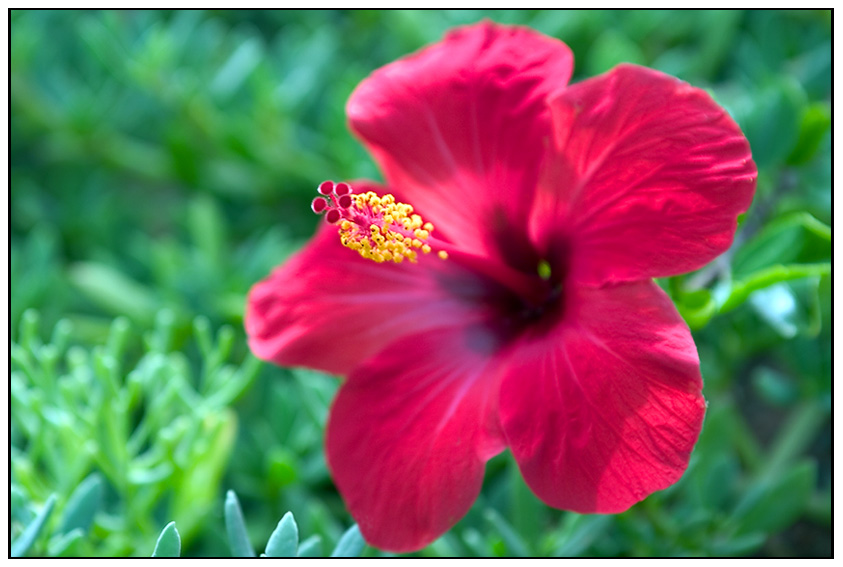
x=163 y=161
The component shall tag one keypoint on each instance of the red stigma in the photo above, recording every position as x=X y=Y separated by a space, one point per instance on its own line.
x=319 y=205
x=326 y=187
x=344 y=201
x=333 y=216
x=342 y=189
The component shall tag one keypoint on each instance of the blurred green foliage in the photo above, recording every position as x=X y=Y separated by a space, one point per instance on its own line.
x=163 y=161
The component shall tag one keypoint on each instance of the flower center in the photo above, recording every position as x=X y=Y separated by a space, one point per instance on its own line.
x=378 y=228
x=381 y=229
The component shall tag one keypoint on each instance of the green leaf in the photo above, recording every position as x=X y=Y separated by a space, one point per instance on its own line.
x=114 y=291
x=475 y=543
x=311 y=547
x=284 y=539
x=715 y=480
x=740 y=545
x=774 y=387
x=790 y=308
x=19 y=505
x=237 y=69
x=696 y=307
x=741 y=289
x=207 y=228
x=799 y=431
x=795 y=238
x=351 y=543
x=816 y=121
x=82 y=505
x=579 y=532
x=238 y=538
x=25 y=540
x=515 y=545
x=169 y=542
x=609 y=49
x=776 y=503
x=773 y=123
x=65 y=545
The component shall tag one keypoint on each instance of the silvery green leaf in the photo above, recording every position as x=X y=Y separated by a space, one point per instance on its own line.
x=238 y=538
x=169 y=542
x=82 y=505
x=285 y=539
x=311 y=547
x=351 y=543
x=24 y=541
x=64 y=545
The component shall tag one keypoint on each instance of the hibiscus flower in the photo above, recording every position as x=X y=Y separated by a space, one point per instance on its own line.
x=533 y=323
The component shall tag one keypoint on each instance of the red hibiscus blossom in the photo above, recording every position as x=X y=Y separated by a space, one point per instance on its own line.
x=534 y=323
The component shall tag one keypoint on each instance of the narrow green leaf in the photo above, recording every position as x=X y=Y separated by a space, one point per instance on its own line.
x=351 y=543
x=207 y=228
x=764 y=278
x=799 y=431
x=696 y=307
x=816 y=121
x=579 y=532
x=25 y=540
x=114 y=291
x=774 y=121
x=474 y=542
x=169 y=542
x=65 y=545
x=19 y=505
x=792 y=238
x=284 y=539
x=237 y=69
x=62 y=333
x=29 y=329
x=202 y=334
x=118 y=337
x=238 y=538
x=161 y=338
x=528 y=512
x=774 y=504
x=311 y=547
x=740 y=545
x=82 y=505
x=515 y=545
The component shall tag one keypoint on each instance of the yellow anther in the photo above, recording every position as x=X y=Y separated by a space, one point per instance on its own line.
x=381 y=229
x=442 y=254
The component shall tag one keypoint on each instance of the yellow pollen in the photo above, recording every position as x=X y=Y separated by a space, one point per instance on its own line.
x=383 y=230
x=442 y=254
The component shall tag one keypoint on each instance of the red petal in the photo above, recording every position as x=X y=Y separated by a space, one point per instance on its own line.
x=461 y=127
x=410 y=432
x=327 y=308
x=648 y=179
x=607 y=408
